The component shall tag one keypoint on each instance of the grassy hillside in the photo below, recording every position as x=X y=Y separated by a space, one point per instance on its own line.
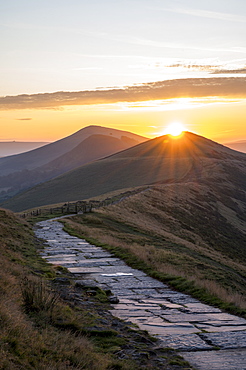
x=156 y=161
x=29 y=340
x=192 y=235
x=48 y=325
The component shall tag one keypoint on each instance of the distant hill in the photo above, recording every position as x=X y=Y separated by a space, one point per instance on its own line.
x=238 y=145
x=41 y=156
x=161 y=160
x=25 y=170
x=8 y=148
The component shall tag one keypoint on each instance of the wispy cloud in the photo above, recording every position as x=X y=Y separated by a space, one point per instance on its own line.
x=171 y=45
x=214 y=69
x=205 y=14
x=210 y=14
x=233 y=87
x=230 y=71
x=23 y=119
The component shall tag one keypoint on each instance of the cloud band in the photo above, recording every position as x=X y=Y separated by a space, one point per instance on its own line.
x=233 y=87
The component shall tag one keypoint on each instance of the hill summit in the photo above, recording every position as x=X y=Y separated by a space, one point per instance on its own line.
x=165 y=160
x=19 y=172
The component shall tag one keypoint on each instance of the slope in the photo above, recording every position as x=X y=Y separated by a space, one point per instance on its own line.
x=189 y=234
x=94 y=147
x=238 y=145
x=16 y=147
x=38 y=157
x=23 y=171
x=161 y=160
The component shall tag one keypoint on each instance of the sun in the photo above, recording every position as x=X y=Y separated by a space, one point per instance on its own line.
x=174 y=129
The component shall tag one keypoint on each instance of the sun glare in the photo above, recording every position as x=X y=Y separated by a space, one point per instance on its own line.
x=174 y=129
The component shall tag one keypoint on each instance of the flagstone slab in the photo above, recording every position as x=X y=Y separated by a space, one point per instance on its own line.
x=229 y=339
x=162 y=313
x=148 y=293
x=230 y=328
x=58 y=256
x=201 y=308
x=124 y=292
x=119 y=274
x=87 y=263
x=130 y=313
x=84 y=270
x=148 y=320
x=65 y=262
x=235 y=322
x=217 y=319
x=122 y=306
x=188 y=342
x=217 y=360
x=169 y=329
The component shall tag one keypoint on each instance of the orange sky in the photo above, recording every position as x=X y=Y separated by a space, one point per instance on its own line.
x=133 y=65
x=143 y=109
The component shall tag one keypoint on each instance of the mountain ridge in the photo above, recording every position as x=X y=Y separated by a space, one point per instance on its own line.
x=160 y=160
x=34 y=158
x=26 y=170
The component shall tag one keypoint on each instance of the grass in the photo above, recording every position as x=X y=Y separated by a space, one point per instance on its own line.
x=150 y=232
x=29 y=338
x=42 y=327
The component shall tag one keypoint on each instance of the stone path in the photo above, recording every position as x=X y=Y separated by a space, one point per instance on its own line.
x=205 y=336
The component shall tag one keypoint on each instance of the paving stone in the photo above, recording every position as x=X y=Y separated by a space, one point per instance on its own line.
x=201 y=308
x=116 y=269
x=233 y=339
x=62 y=262
x=184 y=299
x=234 y=322
x=132 y=284
x=130 y=306
x=188 y=342
x=97 y=263
x=211 y=329
x=205 y=318
x=123 y=292
x=217 y=360
x=169 y=329
x=151 y=320
x=63 y=256
x=148 y=293
x=161 y=312
x=84 y=270
x=119 y=274
x=130 y=313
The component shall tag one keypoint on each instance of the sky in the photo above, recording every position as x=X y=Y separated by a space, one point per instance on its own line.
x=136 y=65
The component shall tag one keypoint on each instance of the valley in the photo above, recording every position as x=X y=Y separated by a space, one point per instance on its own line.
x=174 y=209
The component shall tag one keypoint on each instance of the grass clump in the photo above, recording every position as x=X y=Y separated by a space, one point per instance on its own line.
x=37 y=296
